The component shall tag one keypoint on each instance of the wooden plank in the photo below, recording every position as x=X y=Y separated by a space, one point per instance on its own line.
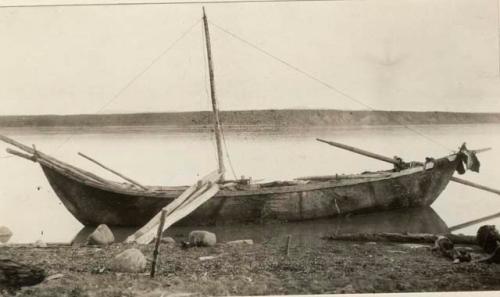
x=113 y=171
x=182 y=212
x=201 y=185
x=147 y=231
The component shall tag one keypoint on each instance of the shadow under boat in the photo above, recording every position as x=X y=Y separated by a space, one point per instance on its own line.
x=413 y=220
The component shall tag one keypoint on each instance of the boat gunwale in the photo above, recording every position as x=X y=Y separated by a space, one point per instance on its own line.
x=172 y=192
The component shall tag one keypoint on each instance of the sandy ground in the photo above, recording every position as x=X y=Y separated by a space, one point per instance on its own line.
x=261 y=268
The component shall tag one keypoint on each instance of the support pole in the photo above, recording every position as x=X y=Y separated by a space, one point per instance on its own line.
x=114 y=172
x=288 y=243
x=157 y=243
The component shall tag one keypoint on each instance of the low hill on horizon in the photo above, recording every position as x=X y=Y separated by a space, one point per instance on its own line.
x=282 y=118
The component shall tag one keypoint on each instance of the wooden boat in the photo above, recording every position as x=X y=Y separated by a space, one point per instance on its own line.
x=93 y=200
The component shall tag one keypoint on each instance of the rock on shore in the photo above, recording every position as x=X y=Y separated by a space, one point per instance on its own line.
x=202 y=238
x=5 y=234
x=102 y=235
x=130 y=260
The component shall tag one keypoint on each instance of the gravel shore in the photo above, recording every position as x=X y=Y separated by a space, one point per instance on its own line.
x=256 y=269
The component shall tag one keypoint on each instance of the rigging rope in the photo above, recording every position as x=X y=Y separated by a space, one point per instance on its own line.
x=321 y=82
x=163 y=3
x=227 y=155
x=137 y=76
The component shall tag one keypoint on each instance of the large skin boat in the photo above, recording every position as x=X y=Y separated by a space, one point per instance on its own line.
x=93 y=200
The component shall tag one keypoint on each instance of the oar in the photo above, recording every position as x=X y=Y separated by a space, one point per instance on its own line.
x=393 y=161
x=359 y=151
x=474 y=185
x=114 y=172
x=474 y=222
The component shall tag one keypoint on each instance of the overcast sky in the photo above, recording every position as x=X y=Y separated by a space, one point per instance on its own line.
x=394 y=54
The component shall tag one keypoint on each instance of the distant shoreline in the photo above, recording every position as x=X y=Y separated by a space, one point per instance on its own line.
x=253 y=118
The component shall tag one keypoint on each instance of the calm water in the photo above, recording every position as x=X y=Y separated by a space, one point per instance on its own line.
x=29 y=207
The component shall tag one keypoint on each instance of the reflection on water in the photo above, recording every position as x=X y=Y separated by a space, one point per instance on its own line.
x=161 y=156
x=416 y=220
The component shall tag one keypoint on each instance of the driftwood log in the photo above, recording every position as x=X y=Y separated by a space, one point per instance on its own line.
x=401 y=237
x=14 y=275
x=488 y=238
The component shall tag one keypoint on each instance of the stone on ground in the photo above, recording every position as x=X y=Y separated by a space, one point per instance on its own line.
x=167 y=240
x=130 y=260
x=202 y=238
x=5 y=234
x=102 y=235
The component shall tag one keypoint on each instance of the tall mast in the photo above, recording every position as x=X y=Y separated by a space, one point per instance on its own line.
x=217 y=126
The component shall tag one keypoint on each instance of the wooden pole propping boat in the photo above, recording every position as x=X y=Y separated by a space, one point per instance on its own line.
x=163 y=215
x=113 y=171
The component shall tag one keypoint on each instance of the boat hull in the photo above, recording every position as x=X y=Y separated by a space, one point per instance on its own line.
x=93 y=204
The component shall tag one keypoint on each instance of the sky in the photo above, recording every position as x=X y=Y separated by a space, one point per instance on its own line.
x=422 y=55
